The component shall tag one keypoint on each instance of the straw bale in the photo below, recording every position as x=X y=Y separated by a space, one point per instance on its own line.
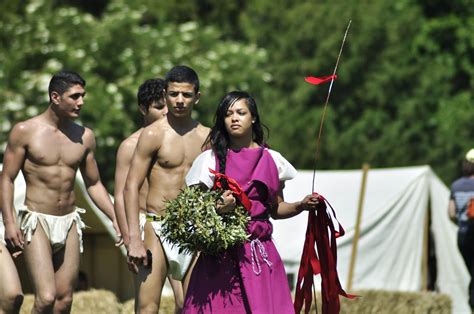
x=95 y=301
x=128 y=307
x=27 y=305
x=393 y=302
x=91 y=301
x=166 y=306
x=369 y=302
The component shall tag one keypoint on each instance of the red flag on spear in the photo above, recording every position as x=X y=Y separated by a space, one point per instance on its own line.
x=321 y=232
x=320 y=80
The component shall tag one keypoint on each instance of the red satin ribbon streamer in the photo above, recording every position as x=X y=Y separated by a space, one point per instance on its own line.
x=319 y=80
x=317 y=233
x=470 y=209
x=224 y=182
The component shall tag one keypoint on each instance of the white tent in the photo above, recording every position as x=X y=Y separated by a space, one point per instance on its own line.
x=393 y=236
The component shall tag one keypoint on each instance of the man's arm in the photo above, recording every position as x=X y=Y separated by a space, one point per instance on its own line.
x=148 y=145
x=95 y=188
x=13 y=159
x=123 y=161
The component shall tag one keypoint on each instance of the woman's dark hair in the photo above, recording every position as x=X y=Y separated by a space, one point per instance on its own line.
x=218 y=138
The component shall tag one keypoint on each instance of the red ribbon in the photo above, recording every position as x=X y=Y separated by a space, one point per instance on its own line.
x=470 y=209
x=317 y=233
x=319 y=80
x=224 y=182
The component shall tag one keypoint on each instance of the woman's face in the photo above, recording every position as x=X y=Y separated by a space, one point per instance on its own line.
x=238 y=120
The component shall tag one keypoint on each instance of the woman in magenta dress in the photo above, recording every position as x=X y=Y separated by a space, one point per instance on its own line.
x=247 y=278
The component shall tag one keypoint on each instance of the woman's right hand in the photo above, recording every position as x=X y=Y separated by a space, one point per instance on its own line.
x=226 y=203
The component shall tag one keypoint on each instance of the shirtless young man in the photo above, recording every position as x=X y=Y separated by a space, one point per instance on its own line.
x=152 y=106
x=164 y=153
x=11 y=294
x=48 y=149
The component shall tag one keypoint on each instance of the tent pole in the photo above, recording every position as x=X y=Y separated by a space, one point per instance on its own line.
x=355 y=242
x=424 y=257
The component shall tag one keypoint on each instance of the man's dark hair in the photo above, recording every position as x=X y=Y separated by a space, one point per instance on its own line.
x=63 y=80
x=467 y=168
x=182 y=74
x=150 y=91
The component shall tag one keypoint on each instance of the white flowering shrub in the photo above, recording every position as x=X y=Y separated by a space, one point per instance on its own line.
x=115 y=54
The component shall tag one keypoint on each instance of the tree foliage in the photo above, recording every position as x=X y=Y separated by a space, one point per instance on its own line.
x=403 y=94
x=115 y=54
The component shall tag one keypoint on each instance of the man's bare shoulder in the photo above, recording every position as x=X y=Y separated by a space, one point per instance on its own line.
x=157 y=129
x=88 y=134
x=24 y=129
x=128 y=145
x=202 y=131
x=131 y=141
x=152 y=136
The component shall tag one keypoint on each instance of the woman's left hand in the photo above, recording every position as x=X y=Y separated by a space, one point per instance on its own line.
x=226 y=202
x=309 y=202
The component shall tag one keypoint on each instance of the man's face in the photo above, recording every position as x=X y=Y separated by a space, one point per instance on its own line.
x=156 y=111
x=180 y=98
x=70 y=102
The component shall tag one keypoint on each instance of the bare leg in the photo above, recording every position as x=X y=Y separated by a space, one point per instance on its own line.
x=11 y=295
x=151 y=279
x=66 y=265
x=178 y=294
x=187 y=276
x=39 y=262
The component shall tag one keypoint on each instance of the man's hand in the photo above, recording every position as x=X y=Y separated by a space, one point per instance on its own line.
x=14 y=239
x=137 y=255
x=119 y=240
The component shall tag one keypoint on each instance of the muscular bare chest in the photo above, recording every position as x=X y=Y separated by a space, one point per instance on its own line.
x=179 y=151
x=55 y=148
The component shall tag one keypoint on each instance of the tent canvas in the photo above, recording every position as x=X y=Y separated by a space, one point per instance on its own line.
x=390 y=249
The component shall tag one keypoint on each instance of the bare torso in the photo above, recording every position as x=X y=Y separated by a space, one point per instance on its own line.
x=52 y=157
x=171 y=163
x=131 y=144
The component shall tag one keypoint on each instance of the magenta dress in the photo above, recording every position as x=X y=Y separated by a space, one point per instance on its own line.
x=248 y=278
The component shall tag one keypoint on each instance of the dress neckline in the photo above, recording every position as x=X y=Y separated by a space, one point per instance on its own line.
x=243 y=149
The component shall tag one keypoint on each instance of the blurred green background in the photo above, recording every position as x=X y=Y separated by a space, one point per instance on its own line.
x=403 y=96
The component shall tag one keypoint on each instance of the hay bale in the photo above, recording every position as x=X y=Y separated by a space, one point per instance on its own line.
x=128 y=307
x=393 y=302
x=28 y=302
x=95 y=301
x=370 y=301
x=166 y=306
x=91 y=301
